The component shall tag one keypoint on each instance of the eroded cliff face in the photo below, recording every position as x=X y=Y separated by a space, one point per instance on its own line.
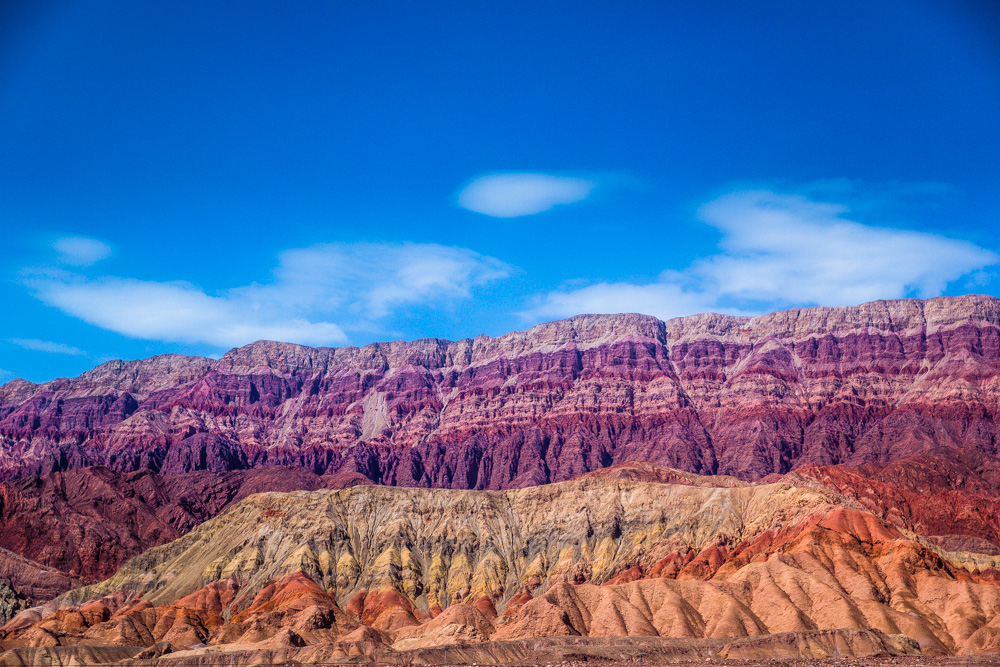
x=707 y=394
x=383 y=572
x=443 y=546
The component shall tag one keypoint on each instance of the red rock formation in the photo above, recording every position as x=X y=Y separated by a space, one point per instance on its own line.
x=80 y=526
x=35 y=581
x=382 y=610
x=107 y=621
x=706 y=394
x=294 y=605
x=948 y=495
x=292 y=610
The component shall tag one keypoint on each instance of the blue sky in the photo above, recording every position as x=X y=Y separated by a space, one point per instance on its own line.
x=187 y=177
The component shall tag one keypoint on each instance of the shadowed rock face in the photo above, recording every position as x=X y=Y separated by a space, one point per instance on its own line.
x=376 y=571
x=76 y=527
x=34 y=581
x=707 y=394
x=11 y=602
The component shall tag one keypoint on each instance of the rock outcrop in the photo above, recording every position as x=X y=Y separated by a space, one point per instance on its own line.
x=709 y=394
x=36 y=581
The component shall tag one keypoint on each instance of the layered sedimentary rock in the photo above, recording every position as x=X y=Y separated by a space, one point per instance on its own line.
x=77 y=527
x=35 y=581
x=386 y=572
x=67 y=529
x=707 y=394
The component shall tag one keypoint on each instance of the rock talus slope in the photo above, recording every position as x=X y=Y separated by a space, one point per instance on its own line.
x=384 y=573
x=710 y=394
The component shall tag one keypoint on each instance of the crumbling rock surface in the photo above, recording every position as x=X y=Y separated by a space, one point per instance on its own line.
x=37 y=582
x=11 y=602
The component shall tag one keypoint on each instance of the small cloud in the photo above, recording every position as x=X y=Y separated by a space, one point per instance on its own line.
x=81 y=251
x=780 y=250
x=316 y=293
x=511 y=195
x=980 y=279
x=46 y=346
x=6 y=375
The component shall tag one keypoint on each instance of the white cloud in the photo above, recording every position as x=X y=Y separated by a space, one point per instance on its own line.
x=178 y=312
x=81 y=251
x=781 y=250
x=792 y=248
x=511 y=195
x=315 y=291
x=46 y=346
x=369 y=280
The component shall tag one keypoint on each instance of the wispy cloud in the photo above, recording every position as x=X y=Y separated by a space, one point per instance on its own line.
x=316 y=293
x=370 y=280
x=177 y=311
x=5 y=376
x=46 y=346
x=780 y=250
x=81 y=250
x=510 y=195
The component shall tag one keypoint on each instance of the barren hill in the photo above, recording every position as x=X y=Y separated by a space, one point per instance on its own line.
x=376 y=570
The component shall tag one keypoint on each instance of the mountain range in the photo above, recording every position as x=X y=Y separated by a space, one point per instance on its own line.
x=708 y=486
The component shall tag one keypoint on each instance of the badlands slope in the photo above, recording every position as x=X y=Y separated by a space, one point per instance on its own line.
x=396 y=574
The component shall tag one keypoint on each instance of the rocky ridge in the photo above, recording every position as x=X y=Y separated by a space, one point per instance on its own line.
x=710 y=394
x=94 y=519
